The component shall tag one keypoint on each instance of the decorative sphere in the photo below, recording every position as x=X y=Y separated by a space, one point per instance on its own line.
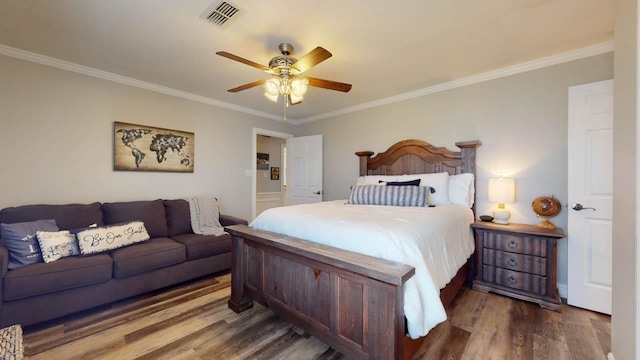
x=546 y=206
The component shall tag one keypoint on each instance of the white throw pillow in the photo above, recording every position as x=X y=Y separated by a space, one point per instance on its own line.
x=55 y=245
x=95 y=240
x=461 y=189
x=376 y=179
x=438 y=181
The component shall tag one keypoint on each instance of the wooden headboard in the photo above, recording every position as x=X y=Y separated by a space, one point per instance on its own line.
x=419 y=157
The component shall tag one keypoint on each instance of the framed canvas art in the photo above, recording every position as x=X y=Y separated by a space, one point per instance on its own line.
x=147 y=148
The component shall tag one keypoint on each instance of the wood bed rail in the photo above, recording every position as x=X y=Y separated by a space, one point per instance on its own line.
x=352 y=301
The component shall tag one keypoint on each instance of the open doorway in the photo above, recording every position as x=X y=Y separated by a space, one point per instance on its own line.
x=269 y=177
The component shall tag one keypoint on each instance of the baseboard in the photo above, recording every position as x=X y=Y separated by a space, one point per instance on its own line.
x=562 y=290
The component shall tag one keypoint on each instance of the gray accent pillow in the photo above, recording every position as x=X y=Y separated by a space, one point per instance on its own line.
x=22 y=243
x=389 y=195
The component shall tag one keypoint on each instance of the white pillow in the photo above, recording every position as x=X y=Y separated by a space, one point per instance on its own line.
x=438 y=181
x=99 y=239
x=375 y=179
x=57 y=244
x=461 y=189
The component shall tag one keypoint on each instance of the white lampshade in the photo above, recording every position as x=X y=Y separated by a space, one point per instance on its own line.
x=271 y=87
x=299 y=87
x=502 y=191
x=273 y=98
x=293 y=99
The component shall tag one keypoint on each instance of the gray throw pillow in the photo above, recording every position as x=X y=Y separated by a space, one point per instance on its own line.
x=21 y=241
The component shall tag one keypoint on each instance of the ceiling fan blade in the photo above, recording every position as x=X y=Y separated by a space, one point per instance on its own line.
x=242 y=60
x=247 y=86
x=328 y=84
x=313 y=58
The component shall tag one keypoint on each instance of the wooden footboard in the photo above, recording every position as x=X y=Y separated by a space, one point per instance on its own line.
x=350 y=301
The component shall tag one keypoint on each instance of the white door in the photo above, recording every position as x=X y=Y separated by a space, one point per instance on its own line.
x=283 y=175
x=304 y=170
x=590 y=187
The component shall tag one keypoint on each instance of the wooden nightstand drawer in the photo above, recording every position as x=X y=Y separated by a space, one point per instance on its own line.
x=515 y=243
x=516 y=280
x=518 y=262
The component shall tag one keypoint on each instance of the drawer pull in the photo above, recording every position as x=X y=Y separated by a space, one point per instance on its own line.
x=513 y=244
x=512 y=280
x=513 y=262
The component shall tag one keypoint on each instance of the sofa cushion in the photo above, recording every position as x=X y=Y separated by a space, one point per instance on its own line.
x=200 y=246
x=146 y=256
x=178 y=217
x=66 y=216
x=63 y=274
x=151 y=213
x=22 y=242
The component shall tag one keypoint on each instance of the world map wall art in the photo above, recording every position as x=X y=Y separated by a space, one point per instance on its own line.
x=146 y=148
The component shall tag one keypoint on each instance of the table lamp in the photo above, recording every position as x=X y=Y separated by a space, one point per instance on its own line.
x=502 y=191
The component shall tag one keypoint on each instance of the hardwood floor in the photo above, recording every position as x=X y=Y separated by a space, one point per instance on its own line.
x=193 y=322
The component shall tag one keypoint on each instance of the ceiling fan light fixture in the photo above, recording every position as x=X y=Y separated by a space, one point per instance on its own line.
x=294 y=99
x=271 y=97
x=272 y=87
x=299 y=87
x=287 y=77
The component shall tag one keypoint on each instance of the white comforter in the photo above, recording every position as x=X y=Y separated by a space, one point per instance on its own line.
x=435 y=241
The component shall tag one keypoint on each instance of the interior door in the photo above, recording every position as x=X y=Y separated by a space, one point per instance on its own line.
x=304 y=170
x=590 y=187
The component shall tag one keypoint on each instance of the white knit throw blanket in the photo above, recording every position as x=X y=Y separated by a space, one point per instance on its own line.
x=205 y=216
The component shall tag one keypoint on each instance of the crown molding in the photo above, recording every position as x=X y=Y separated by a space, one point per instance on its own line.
x=491 y=75
x=85 y=70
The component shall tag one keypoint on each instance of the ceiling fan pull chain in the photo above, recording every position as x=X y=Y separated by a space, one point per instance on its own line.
x=284 y=105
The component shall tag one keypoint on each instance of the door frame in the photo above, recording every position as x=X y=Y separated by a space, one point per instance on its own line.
x=254 y=159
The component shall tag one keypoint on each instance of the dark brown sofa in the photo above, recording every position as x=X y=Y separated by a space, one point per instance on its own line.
x=42 y=291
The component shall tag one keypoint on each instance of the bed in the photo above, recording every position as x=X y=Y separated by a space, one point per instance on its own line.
x=352 y=301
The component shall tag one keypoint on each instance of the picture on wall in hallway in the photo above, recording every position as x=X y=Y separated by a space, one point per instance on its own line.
x=263 y=161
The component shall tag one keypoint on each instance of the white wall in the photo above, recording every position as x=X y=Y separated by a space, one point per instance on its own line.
x=625 y=327
x=521 y=121
x=56 y=141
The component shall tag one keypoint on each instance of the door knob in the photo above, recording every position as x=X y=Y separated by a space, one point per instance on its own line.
x=579 y=207
x=318 y=192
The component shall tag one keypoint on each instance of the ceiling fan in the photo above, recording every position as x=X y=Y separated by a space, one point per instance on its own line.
x=286 y=71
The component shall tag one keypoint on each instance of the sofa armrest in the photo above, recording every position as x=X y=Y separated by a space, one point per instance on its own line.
x=228 y=220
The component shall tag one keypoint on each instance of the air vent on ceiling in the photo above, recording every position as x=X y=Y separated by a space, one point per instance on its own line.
x=220 y=13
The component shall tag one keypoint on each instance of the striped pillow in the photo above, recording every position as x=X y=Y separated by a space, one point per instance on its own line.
x=389 y=195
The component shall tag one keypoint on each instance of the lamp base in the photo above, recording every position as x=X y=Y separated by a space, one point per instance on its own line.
x=501 y=216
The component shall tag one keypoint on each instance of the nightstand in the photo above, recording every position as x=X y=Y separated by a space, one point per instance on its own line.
x=519 y=261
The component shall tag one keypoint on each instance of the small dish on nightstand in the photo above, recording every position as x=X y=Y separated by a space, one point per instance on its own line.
x=487 y=218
